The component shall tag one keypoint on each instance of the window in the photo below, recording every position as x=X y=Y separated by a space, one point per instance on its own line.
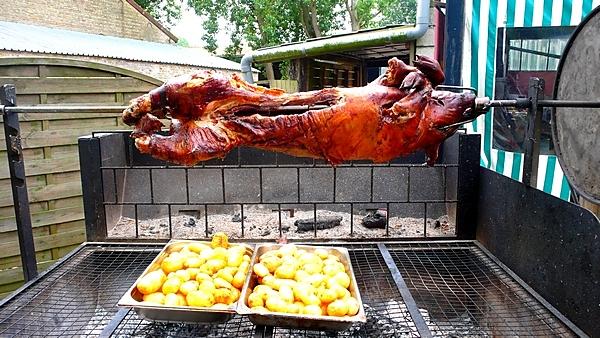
x=523 y=53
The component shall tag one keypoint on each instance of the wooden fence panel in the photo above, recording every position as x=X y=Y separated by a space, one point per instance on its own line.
x=51 y=154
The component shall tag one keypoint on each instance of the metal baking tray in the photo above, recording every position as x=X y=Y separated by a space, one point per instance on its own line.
x=330 y=323
x=178 y=314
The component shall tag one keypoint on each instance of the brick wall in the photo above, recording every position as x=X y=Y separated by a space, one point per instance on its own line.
x=106 y=17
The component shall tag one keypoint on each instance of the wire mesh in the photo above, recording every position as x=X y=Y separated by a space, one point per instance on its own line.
x=460 y=291
x=79 y=297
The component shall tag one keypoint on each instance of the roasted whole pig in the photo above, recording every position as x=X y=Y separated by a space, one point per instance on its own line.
x=212 y=113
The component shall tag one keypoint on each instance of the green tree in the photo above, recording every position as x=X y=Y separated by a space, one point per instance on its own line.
x=377 y=13
x=263 y=23
x=167 y=12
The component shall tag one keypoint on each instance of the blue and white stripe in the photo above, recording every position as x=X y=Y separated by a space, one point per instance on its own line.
x=482 y=20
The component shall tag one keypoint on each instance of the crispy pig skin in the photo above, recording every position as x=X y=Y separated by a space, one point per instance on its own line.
x=212 y=113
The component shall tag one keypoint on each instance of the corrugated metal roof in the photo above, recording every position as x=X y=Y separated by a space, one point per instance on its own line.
x=37 y=39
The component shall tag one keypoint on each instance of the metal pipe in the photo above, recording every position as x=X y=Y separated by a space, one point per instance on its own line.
x=119 y=109
x=339 y=43
x=62 y=109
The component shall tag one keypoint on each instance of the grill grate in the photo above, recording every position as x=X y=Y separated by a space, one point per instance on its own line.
x=79 y=297
x=459 y=290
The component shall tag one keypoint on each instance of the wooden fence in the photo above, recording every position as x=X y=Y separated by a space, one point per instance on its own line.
x=50 y=151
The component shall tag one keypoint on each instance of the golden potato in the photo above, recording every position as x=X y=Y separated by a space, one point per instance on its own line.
x=231 y=270
x=292 y=308
x=171 y=285
x=260 y=270
x=312 y=268
x=322 y=253
x=285 y=271
x=224 y=274
x=316 y=280
x=309 y=258
x=326 y=295
x=184 y=275
x=213 y=265
x=221 y=283
x=201 y=276
x=154 y=298
x=273 y=253
x=207 y=254
x=301 y=275
x=200 y=299
x=263 y=291
x=312 y=310
x=224 y=296
x=236 y=294
x=235 y=256
x=259 y=309
x=340 y=291
x=275 y=304
x=331 y=270
x=270 y=281
x=193 y=262
x=182 y=301
x=343 y=279
x=172 y=300
x=300 y=306
x=151 y=282
x=255 y=299
x=353 y=306
x=197 y=247
x=207 y=286
x=286 y=293
x=272 y=263
x=172 y=263
x=302 y=290
x=239 y=279
x=188 y=287
x=193 y=272
x=247 y=258
x=282 y=281
x=288 y=250
x=337 y=308
x=219 y=240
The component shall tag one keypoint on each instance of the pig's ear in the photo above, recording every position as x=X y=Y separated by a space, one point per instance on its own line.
x=431 y=68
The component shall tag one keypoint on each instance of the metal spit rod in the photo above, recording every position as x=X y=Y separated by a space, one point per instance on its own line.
x=114 y=109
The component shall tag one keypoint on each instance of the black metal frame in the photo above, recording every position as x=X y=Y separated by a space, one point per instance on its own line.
x=8 y=97
x=461 y=152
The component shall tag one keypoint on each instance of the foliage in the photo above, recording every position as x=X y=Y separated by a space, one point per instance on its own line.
x=264 y=23
x=182 y=42
x=378 y=13
x=167 y=12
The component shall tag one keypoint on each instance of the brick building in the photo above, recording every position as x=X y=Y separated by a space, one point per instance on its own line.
x=121 y=18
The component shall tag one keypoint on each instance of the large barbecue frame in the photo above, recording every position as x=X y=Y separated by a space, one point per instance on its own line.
x=522 y=262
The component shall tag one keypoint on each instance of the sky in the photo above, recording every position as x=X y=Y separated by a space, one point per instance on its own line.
x=190 y=28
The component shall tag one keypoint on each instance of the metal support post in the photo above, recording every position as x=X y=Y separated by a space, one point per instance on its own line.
x=18 y=182
x=532 y=138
